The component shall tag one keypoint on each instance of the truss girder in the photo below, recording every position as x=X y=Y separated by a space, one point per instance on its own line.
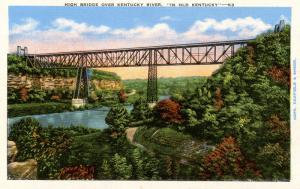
x=188 y=54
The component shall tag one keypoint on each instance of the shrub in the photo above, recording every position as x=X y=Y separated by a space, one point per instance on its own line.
x=37 y=95
x=55 y=98
x=26 y=134
x=93 y=97
x=77 y=173
x=23 y=94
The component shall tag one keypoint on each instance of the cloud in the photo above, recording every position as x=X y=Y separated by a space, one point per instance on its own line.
x=63 y=24
x=241 y=27
x=71 y=34
x=166 y=18
x=27 y=25
x=158 y=31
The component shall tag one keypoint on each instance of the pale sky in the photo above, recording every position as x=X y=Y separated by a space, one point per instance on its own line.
x=56 y=29
x=163 y=71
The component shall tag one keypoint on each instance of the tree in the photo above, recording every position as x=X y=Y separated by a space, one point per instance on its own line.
x=141 y=110
x=117 y=118
x=151 y=167
x=122 y=170
x=278 y=130
x=228 y=162
x=122 y=96
x=106 y=172
x=168 y=111
x=138 y=164
x=145 y=167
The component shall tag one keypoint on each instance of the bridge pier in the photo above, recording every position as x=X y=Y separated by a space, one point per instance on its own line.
x=81 y=91
x=152 y=77
x=78 y=102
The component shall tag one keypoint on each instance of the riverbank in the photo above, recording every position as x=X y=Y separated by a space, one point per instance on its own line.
x=25 y=109
x=15 y=110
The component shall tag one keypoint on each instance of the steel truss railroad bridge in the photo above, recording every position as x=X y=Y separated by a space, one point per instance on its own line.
x=181 y=54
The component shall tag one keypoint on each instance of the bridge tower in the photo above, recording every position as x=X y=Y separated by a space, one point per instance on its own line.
x=81 y=91
x=152 y=77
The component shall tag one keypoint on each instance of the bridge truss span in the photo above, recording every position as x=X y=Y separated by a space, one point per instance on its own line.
x=184 y=54
x=167 y=55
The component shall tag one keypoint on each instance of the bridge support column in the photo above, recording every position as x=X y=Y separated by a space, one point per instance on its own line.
x=152 y=77
x=81 y=91
x=78 y=102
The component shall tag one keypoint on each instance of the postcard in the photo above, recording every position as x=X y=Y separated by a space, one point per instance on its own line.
x=150 y=94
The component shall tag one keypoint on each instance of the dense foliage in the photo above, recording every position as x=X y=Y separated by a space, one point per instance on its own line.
x=18 y=65
x=104 y=75
x=24 y=95
x=243 y=109
x=166 y=86
x=49 y=146
x=81 y=153
x=248 y=99
x=227 y=162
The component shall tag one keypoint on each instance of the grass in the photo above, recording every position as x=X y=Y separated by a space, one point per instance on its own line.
x=15 y=110
x=167 y=141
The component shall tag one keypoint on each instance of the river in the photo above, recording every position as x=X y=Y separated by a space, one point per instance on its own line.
x=94 y=118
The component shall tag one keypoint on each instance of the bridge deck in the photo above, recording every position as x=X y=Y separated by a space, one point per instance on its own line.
x=178 y=54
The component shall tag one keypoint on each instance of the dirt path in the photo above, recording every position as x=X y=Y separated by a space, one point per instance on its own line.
x=130 y=133
x=133 y=91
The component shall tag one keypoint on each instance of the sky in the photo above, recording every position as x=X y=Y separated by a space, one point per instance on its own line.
x=56 y=29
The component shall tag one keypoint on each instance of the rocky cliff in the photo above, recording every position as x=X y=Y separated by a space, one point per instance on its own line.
x=107 y=84
x=49 y=82
x=19 y=170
